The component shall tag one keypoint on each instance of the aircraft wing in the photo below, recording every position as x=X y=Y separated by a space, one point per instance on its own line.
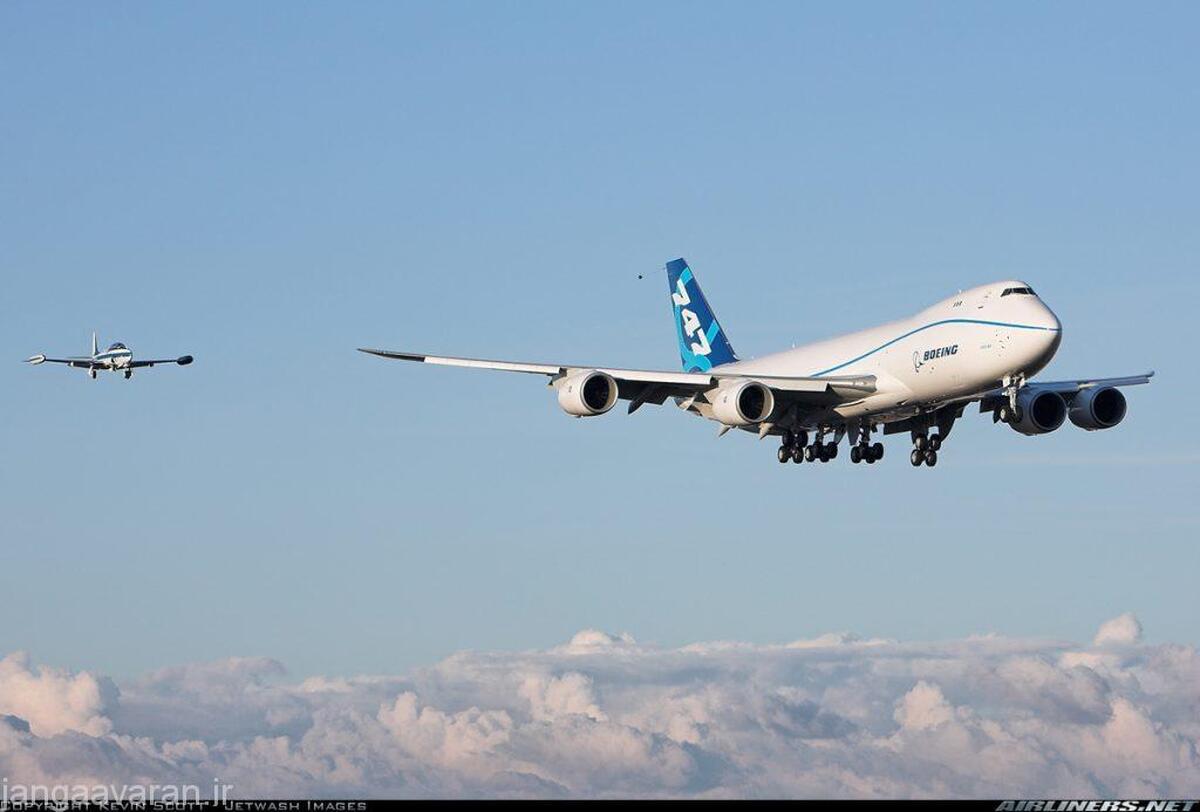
x=81 y=363
x=988 y=400
x=653 y=386
x=1070 y=387
x=182 y=360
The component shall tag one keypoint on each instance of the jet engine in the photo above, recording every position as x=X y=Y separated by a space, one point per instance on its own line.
x=588 y=393
x=1041 y=412
x=741 y=403
x=1098 y=408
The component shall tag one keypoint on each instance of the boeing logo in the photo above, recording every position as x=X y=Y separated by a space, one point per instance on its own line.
x=920 y=358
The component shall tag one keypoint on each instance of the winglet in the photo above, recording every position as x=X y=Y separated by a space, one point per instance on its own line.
x=36 y=359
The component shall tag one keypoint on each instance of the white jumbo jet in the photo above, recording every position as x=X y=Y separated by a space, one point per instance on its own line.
x=117 y=358
x=913 y=375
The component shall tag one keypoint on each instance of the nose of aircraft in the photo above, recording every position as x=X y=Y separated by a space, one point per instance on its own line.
x=1047 y=319
x=1050 y=336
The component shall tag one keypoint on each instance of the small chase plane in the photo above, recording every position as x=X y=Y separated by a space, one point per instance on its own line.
x=914 y=375
x=117 y=358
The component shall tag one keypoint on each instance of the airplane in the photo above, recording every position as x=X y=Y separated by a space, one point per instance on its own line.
x=914 y=375
x=117 y=358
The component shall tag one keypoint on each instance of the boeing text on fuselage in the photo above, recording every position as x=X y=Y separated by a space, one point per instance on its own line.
x=915 y=375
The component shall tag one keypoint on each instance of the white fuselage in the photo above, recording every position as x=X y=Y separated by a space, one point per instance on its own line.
x=113 y=358
x=963 y=345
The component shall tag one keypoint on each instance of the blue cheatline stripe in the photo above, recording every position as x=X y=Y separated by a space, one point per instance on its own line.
x=935 y=324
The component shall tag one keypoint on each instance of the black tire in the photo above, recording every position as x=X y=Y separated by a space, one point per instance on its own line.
x=789 y=439
x=921 y=442
x=877 y=451
x=797 y=455
x=856 y=455
x=931 y=458
x=916 y=458
x=871 y=459
x=784 y=454
x=810 y=453
x=801 y=438
x=831 y=450
x=935 y=442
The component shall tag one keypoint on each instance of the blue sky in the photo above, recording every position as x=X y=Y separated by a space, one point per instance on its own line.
x=270 y=186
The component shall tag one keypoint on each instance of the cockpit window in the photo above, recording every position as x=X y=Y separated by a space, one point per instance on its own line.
x=1017 y=292
x=118 y=346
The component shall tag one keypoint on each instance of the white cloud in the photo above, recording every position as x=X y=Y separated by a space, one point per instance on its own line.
x=53 y=701
x=603 y=715
x=1121 y=630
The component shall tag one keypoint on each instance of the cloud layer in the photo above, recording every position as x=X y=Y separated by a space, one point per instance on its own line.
x=603 y=715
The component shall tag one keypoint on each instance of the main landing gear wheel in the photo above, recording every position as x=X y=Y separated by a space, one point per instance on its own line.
x=128 y=374
x=792 y=446
x=935 y=442
x=810 y=453
x=931 y=458
x=856 y=455
x=876 y=452
x=916 y=457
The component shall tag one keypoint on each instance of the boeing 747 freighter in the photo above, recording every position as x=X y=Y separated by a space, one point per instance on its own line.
x=915 y=375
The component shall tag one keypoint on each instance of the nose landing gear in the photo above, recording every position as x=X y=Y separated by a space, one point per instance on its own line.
x=1010 y=412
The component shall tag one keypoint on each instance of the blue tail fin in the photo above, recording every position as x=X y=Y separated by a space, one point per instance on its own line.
x=702 y=342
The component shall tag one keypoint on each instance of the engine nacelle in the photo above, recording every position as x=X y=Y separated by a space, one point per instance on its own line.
x=1041 y=412
x=1098 y=408
x=584 y=394
x=742 y=403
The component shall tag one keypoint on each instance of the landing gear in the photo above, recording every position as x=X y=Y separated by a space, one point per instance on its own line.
x=817 y=451
x=792 y=447
x=1010 y=412
x=925 y=449
x=128 y=374
x=863 y=451
x=92 y=374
